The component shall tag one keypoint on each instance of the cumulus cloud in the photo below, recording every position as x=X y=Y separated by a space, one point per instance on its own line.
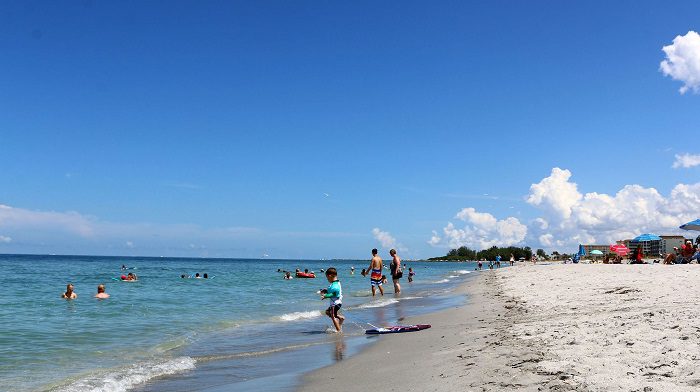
x=682 y=61
x=481 y=230
x=386 y=239
x=686 y=161
x=5 y=240
x=570 y=217
x=566 y=217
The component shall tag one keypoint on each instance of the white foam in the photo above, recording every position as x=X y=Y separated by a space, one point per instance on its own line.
x=128 y=377
x=463 y=272
x=442 y=281
x=300 y=315
x=453 y=276
x=378 y=304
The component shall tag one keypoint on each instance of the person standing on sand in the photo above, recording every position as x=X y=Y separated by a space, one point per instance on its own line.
x=375 y=272
x=69 y=294
x=396 y=272
x=512 y=260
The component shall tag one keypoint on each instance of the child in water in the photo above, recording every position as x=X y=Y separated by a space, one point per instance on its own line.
x=335 y=293
x=410 y=275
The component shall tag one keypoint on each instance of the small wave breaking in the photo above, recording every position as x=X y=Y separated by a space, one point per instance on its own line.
x=300 y=315
x=442 y=281
x=126 y=378
x=378 y=304
x=463 y=272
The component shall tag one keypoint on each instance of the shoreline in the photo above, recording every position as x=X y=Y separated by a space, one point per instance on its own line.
x=543 y=327
x=463 y=349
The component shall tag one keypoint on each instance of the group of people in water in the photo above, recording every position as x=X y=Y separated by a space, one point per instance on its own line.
x=195 y=276
x=71 y=294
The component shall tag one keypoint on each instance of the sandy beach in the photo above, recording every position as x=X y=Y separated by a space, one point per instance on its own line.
x=544 y=327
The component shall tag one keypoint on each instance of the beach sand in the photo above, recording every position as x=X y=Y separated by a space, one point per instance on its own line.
x=544 y=327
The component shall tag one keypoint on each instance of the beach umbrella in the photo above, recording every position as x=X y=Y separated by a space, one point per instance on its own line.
x=620 y=249
x=596 y=252
x=694 y=225
x=646 y=237
x=581 y=250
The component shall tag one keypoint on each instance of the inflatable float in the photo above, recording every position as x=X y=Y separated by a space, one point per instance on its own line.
x=397 y=329
x=305 y=275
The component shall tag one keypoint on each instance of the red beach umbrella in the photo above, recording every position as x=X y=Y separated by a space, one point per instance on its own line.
x=620 y=249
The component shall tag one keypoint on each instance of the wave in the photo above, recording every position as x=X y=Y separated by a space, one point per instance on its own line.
x=126 y=378
x=463 y=272
x=453 y=276
x=378 y=304
x=299 y=315
x=442 y=281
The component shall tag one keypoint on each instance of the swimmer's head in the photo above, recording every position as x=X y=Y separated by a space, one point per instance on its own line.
x=69 y=287
x=392 y=252
x=100 y=288
x=123 y=277
x=206 y=276
x=374 y=251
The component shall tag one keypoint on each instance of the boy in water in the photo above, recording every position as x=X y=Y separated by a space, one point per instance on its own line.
x=410 y=275
x=375 y=271
x=335 y=293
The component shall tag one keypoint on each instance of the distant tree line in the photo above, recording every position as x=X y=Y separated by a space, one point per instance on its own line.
x=464 y=253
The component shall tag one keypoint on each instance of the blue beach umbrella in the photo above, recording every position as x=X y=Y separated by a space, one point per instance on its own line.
x=646 y=237
x=581 y=250
x=694 y=225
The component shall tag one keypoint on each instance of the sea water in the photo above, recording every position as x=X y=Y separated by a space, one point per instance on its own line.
x=245 y=326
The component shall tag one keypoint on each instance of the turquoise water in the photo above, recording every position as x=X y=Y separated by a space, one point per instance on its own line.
x=161 y=331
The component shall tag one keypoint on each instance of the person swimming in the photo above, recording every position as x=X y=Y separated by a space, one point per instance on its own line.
x=69 y=294
x=101 y=292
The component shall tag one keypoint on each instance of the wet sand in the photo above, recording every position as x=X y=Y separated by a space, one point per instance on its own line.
x=545 y=327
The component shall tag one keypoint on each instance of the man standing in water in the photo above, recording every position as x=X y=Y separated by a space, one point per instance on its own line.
x=396 y=272
x=375 y=271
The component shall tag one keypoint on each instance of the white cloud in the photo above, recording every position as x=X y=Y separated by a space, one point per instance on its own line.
x=386 y=239
x=686 y=161
x=70 y=222
x=5 y=240
x=683 y=61
x=572 y=217
x=434 y=239
x=79 y=231
x=482 y=230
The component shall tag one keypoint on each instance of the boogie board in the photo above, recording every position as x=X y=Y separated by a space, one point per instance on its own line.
x=397 y=329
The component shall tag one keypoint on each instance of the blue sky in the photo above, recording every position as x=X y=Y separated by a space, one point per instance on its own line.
x=235 y=129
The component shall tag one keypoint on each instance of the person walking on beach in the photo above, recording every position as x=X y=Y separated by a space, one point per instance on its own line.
x=101 y=292
x=375 y=272
x=69 y=294
x=396 y=272
x=334 y=292
x=512 y=260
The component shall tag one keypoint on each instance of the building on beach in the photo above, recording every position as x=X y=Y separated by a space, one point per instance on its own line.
x=668 y=242
x=653 y=248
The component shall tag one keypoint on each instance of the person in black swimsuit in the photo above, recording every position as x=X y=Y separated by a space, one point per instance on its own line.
x=396 y=272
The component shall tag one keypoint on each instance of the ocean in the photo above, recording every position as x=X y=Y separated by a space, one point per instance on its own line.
x=244 y=328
